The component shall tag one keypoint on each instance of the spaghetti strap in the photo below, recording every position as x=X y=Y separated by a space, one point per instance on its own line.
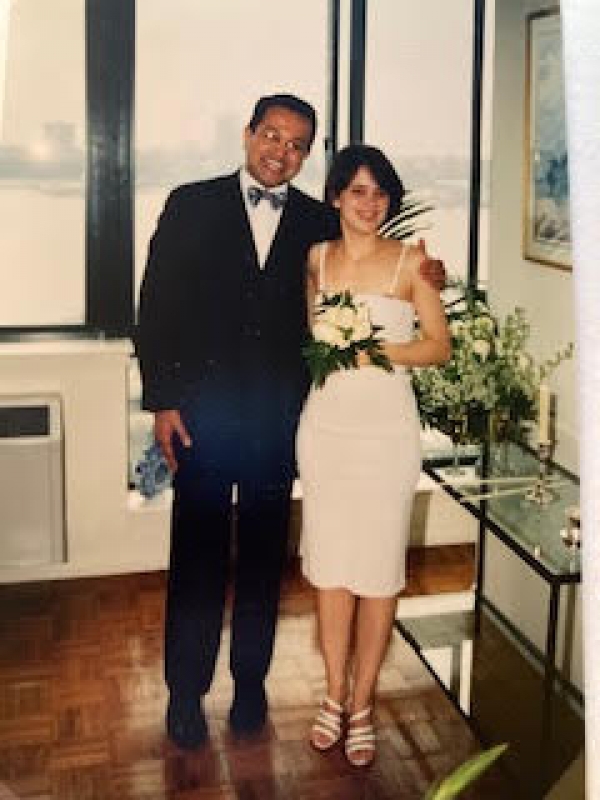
x=399 y=265
x=322 y=252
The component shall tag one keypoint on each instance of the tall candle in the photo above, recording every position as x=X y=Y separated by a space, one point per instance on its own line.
x=544 y=414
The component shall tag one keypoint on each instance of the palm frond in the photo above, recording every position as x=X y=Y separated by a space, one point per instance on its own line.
x=468 y=772
x=399 y=227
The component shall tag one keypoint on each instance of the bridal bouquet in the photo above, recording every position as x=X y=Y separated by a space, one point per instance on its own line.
x=341 y=331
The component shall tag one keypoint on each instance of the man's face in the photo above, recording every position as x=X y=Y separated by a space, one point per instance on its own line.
x=276 y=150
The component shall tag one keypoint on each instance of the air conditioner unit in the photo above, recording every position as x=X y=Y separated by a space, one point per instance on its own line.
x=32 y=527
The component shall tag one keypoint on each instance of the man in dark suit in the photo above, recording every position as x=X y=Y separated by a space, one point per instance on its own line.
x=222 y=319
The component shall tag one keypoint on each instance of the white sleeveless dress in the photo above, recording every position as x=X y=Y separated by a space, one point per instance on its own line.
x=359 y=459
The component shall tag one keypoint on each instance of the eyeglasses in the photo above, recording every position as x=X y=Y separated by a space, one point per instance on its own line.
x=295 y=146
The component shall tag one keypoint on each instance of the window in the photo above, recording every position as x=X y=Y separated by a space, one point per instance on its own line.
x=418 y=109
x=193 y=102
x=42 y=162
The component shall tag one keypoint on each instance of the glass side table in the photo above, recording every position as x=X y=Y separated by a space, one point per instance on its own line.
x=531 y=531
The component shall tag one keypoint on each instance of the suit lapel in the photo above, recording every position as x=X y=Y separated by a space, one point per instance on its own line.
x=287 y=221
x=238 y=218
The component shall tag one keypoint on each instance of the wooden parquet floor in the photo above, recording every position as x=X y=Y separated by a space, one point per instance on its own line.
x=82 y=705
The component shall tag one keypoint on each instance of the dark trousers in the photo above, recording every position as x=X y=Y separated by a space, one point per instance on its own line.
x=200 y=565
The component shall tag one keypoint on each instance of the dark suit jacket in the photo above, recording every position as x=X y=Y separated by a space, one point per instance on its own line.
x=217 y=334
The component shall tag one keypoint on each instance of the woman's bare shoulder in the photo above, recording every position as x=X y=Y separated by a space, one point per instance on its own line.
x=391 y=248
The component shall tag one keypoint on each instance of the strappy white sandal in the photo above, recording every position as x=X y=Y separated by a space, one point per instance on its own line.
x=327 y=728
x=360 y=740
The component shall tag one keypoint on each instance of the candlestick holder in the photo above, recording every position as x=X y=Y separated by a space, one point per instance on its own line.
x=571 y=533
x=539 y=492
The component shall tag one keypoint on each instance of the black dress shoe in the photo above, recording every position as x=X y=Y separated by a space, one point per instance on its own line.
x=248 y=711
x=186 y=724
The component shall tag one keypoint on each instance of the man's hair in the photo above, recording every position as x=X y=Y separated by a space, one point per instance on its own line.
x=289 y=101
x=349 y=160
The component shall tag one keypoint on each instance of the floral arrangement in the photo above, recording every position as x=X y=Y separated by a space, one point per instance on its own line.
x=490 y=372
x=341 y=331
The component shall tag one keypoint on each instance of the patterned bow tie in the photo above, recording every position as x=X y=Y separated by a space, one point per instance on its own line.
x=256 y=194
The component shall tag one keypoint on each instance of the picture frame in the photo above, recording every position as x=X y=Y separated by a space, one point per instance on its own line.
x=546 y=219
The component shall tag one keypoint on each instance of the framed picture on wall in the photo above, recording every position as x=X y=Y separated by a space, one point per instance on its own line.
x=546 y=223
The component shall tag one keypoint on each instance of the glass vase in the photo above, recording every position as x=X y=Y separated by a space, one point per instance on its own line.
x=500 y=429
x=457 y=435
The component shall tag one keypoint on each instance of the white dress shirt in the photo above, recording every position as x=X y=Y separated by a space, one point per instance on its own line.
x=264 y=219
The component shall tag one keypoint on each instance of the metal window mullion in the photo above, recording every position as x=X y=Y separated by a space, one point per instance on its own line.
x=109 y=218
x=331 y=132
x=358 y=38
x=476 y=110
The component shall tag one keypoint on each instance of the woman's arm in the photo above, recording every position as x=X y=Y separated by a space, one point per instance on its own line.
x=434 y=345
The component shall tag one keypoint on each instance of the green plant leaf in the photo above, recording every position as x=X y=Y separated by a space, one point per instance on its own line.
x=468 y=772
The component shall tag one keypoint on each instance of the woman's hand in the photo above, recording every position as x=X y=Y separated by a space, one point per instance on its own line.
x=363 y=359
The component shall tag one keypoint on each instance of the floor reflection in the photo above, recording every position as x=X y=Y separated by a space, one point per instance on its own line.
x=498 y=686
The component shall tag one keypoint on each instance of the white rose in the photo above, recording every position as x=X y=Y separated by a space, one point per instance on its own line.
x=324 y=331
x=362 y=330
x=456 y=327
x=346 y=317
x=481 y=348
x=329 y=314
x=362 y=313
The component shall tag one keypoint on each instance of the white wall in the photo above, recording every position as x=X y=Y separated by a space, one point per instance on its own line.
x=582 y=60
x=110 y=529
x=104 y=531
x=547 y=294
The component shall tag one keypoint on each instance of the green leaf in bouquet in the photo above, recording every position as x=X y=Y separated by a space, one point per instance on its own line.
x=379 y=359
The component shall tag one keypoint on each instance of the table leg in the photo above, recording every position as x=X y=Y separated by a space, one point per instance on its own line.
x=480 y=574
x=547 y=737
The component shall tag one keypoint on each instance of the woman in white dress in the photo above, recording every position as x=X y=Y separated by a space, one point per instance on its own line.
x=358 y=445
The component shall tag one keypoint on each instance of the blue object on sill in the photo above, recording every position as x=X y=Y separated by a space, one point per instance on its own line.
x=152 y=474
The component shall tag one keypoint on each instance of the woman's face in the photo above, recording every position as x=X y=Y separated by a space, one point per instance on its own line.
x=363 y=204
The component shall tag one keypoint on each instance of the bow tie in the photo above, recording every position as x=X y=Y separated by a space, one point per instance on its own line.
x=256 y=194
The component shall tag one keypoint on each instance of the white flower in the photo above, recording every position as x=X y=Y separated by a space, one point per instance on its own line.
x=346 y=317
x=489 y=370
x=324 y=331
x=481 y=348
x=342 y=330
x=362 y=330
x=487 y=323
x=456 y=327
x=362 y=313
x=524 y=361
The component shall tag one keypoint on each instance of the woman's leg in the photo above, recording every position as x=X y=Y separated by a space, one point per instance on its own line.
x=375 y=618
x=335 y=614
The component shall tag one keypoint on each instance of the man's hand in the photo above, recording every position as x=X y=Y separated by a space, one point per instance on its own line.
x=166 y=425
x=431 y=269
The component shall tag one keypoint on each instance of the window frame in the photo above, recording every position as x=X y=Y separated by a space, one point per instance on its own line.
x=110 y=100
